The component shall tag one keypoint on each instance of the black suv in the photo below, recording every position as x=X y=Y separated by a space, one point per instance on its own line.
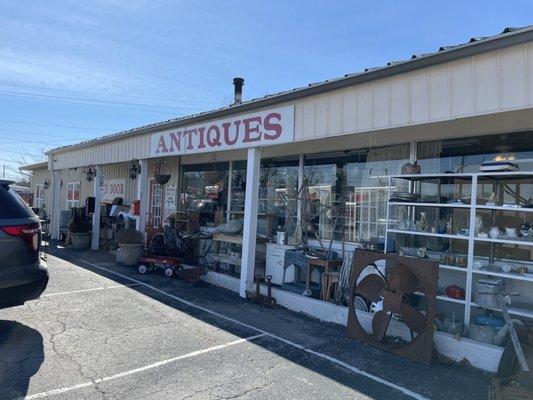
x=23 y=274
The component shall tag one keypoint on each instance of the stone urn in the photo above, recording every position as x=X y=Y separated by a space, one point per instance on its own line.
x=80 y=240
x=130 y=252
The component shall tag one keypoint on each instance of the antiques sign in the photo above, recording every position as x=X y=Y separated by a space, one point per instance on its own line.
x=262 y=128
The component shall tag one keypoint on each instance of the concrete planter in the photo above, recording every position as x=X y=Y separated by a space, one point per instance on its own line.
x=130 y=253
x=80 y=241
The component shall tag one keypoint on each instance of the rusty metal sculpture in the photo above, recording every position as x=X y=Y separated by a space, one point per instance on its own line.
x=403 y=276
x=260 y=298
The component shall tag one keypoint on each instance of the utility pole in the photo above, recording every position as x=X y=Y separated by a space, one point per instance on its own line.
x=4 y=173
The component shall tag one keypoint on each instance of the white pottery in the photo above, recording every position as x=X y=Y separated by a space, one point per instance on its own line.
x=494 y=232
x=479 y=223
x=505 y=268
x=510 y=232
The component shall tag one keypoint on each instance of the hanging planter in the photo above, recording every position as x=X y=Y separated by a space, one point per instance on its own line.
x=215 y=176
x=135 y=169
x=161 y=172
x=91 y=173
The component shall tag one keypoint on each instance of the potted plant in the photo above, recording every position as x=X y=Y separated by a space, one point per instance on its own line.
x=79 y=230
x=131 y=246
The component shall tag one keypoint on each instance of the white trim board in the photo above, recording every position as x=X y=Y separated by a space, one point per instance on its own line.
x=480 y=355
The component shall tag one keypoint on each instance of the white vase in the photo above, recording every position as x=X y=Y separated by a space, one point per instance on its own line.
x=494 y=232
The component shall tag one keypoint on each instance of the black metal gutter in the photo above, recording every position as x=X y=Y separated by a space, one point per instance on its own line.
x=496 y=42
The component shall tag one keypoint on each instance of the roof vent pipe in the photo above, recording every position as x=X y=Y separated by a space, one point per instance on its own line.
x=238 y=83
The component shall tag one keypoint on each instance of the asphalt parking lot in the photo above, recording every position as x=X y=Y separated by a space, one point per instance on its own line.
x=101 y=331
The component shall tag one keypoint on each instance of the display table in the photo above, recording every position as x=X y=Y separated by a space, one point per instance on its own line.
x=300 y=260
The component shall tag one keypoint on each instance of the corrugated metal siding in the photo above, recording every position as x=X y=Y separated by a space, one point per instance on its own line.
x=121 y=171
x=485 y=83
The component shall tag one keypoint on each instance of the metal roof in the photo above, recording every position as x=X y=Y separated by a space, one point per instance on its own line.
x=476 y=45
x=35 y=166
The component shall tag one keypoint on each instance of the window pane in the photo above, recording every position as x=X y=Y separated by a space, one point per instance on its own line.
x=278 y=191
x=204 y=189
x=346 y=196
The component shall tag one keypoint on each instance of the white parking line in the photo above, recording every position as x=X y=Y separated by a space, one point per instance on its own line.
x=307 y=350
x=141 y=369
x=90 y=290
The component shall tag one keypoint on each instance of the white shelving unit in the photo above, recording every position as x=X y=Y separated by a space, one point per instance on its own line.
x=472 y=179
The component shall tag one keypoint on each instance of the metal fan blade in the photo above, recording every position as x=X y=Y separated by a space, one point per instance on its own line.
x=402 y=280
x=371 y=287
x=415 y=320
x=380 y=323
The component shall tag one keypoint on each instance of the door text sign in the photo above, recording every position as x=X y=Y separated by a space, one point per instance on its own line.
x=263 y=128
x=111 y=188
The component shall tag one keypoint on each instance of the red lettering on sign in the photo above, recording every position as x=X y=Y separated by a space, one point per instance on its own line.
x=201 y=143
x=213 y=140
x=175 y=139
x=249 y=129
x=189 y=132
x=269 y=126
x=226 y=126
x=161 y=147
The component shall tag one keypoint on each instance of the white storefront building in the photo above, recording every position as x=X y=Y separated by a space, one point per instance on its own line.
x=450 y=111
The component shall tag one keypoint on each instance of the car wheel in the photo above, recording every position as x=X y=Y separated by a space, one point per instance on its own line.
x=169 y=272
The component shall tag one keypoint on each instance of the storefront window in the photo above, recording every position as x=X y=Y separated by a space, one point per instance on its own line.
x=73 y=194
x=468 y=155
x=204 y=190
x=346 y=193
x=278 y=193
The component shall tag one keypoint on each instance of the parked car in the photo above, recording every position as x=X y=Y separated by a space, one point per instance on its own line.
x=23 y=274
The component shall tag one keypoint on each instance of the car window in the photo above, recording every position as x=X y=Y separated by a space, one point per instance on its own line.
x=12 y=206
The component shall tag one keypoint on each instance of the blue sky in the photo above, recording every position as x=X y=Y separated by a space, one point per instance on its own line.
x=72 y=70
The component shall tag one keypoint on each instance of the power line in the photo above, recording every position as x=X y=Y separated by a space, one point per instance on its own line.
x=89 y=104
x=17 y=131
x=11 y=140
x=109 y=94
x=80 y=100
x=92 y=105
x=56 y=125
x=23 y=153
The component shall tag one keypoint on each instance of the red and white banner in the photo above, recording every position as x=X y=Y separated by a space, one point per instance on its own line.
x=264 y=128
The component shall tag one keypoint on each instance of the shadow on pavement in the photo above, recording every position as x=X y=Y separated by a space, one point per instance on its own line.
x=21 y=356
x=330 y=339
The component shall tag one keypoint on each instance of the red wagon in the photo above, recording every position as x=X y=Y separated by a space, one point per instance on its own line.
x=170 y=265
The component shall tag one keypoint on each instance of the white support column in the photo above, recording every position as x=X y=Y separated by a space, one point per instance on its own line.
x=230 y=189
x=142 y=195
x=300 y=194
x=251 y=201
x=97 y=193
x=54 y=207
x=413 y=151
